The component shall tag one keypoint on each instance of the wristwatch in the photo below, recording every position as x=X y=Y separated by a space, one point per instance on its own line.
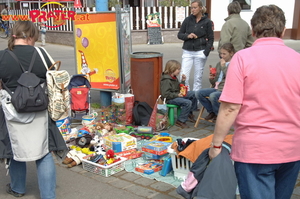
x=214 y=146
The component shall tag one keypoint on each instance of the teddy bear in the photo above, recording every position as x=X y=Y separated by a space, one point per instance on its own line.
x=103 y=129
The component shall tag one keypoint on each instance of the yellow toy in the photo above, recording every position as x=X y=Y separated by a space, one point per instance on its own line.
x=163 y=137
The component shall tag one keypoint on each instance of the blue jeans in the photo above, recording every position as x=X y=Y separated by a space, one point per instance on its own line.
x=261 y=181
x=211 y=104
x=198 y=59
x=46 y=173
x=188 y=104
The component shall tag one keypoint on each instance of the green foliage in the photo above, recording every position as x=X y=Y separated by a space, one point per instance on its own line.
x=95 y=105
x=113 y=3
x=168 y=3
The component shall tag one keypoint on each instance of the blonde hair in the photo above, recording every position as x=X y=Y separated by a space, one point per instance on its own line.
x=23 y=30
x=199 y=2
x=172 y=66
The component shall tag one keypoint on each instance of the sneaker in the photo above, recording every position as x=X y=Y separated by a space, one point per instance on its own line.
x=210 y=116
x=192 y=118
x=181 y=124
x=10 y=191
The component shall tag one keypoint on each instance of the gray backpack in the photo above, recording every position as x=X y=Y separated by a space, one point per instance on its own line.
x=30 y=95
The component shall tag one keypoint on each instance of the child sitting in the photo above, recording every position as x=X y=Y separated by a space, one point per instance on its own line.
x=212 y=104
x=170 y=89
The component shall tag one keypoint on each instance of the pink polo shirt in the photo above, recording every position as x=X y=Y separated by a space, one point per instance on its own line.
x=265 y=80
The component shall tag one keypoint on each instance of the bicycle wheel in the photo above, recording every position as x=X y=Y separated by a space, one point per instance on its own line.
x=3 y=33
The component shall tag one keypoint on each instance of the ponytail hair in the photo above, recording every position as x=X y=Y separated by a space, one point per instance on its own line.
x=23 y=30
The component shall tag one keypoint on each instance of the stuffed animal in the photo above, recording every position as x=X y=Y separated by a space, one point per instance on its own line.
x=97 y=145
x=75 y=155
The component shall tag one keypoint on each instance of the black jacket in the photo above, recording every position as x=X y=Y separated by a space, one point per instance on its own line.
x=203 y=30
x=216 y=178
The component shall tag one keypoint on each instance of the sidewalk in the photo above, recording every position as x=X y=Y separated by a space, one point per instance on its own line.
x=76 y=183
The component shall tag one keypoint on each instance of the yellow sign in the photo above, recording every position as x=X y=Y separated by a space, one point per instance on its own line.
x=97 y=55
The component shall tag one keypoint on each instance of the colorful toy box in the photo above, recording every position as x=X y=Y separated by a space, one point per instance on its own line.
x=156 y=147
x=120 y=142
x=149 y=167
x=130 y=154
x=154 y=156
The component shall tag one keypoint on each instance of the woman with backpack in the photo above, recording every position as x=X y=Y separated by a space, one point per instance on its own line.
x=33 y=141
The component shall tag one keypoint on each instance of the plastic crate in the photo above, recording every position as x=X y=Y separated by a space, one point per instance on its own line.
x=105 y=171
x=181 y=166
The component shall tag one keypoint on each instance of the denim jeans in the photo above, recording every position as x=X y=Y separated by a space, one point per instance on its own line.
x=188 y=104
x=211 y=104
x=261 y=181
x=46 y=173
x=198 y=59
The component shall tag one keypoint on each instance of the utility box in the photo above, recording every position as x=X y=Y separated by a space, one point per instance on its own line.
x=146 y=70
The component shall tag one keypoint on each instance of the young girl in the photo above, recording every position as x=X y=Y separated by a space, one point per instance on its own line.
x=170 y=89
x=212 y=104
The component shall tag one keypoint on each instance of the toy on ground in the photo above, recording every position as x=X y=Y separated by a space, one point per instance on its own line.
x=75 y=156
x=103 y=129
x=97 y=145
x=141 y=132
x=163 y=137
x=149 y=167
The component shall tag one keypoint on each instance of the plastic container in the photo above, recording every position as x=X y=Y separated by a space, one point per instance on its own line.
x=64 y=126
x=105 y=171
x=167 y=168
x=181 y=166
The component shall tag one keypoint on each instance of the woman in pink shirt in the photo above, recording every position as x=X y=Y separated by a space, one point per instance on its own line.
x=261 y=99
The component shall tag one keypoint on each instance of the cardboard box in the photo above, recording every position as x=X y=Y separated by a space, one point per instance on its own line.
x=156 y=147
x=120 y=142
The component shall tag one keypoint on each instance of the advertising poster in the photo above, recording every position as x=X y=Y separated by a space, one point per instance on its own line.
x=96 y=46
x=154 y=28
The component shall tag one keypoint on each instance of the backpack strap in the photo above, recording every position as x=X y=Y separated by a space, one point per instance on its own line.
x=31 y=62
x=55 y=64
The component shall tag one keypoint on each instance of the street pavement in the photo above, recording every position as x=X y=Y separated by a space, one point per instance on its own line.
x=76 y=183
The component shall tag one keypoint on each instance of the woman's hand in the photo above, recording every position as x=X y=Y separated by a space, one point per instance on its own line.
x=214 y=152
x=192 y=36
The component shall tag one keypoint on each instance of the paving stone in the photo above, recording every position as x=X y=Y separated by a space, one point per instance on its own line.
x=161 y=186
x=121 y=184
x=161 y=196
x=144 y=181
x=77 y=168
x=141 y=191
x=174 y=194
x=130 y=176
x=105 y=179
